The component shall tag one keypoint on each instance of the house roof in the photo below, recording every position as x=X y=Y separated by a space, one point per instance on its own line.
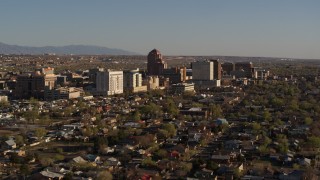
x=221 y=157
x=10 y=142
x=79 y=160
x=50 y=174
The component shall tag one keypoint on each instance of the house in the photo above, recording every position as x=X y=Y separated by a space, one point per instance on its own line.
x=232 y=144
x=10 y=144
x=249 y=177
x=221 y=158
x=205 y=174
x=220 y=121
x=78 y=159
x=305 y=162
x=93 y=158
x=230 y=169
x=195 y=112
x=18 y=152
x=113 y=162
x=294 y=175
x=47 y=174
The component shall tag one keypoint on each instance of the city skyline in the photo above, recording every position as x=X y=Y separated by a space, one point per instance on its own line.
x=234 y=28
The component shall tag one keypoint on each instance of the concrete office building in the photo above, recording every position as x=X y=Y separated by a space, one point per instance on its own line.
x=176 y=74
x=63 y=93
x=132 y=81
x=109 y=82
x=202 y=70
x=93 y=73
x=182 y=87
x=152 y=82
x=260 y=73
x=34 y=84
x=206 y=70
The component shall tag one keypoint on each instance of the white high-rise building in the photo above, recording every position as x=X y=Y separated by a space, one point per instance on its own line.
x=202 y=70
x=109 y=82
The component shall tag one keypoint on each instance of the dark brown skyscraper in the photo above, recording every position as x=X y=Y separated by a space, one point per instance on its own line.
x=155 y=63
x=216 y=69
x=247 y=67
x=227 y=68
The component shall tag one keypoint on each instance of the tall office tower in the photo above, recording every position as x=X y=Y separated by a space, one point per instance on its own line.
x=109 y=82
x=216 y=69
x=246 y=67
x=202 y=70
x=227 y=68
x=34 y=84
x=156 y=65
x=93 y=73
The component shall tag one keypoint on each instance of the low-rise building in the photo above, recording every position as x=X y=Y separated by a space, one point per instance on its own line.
x=62 y=93
x=182 y=87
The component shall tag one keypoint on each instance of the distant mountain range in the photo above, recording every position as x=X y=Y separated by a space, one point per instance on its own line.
x=71 y=49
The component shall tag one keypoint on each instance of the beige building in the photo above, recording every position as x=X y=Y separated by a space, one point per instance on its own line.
x=109 y=82
x=132 y=81
x=152 y=82
x=3 y=98
x=261 y=73
x=34 y=84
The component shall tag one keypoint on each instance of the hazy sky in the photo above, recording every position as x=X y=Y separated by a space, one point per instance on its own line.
x=278 y=28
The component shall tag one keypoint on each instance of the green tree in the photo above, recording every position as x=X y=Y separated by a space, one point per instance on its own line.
x=267 y=115
x=314 y=141
x=215 y=111
x=151 y=109
x=308 y=120
x=148 y=162
x=34 y=101
x=293 y=105
x=45 y=161
x=170 y=107
x=212 y=165
x=44 y=119
x=24 y=170
x=195 y=104
x=162 y=153
x=19 y=140
x=68 y=176
x=136 y=116
x=99 y=144
x=4 y=104
x=59 y=150
x=256 y=127
x=40 y=132
x=31 y=115
x=145 y=140
x=104 y=175
x=283 y=143
x=58 y=157
x=170 y=128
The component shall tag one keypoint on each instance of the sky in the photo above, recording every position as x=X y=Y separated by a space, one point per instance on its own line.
x=268 y=28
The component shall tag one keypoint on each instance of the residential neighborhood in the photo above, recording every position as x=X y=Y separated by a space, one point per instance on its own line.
x=244 y=123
